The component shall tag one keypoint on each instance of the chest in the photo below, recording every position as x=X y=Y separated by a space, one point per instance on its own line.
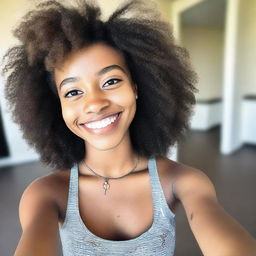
x=125 y=212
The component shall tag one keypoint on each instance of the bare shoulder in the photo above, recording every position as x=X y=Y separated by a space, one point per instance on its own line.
x=50 y=185
x=49 y=191
x=186 y=180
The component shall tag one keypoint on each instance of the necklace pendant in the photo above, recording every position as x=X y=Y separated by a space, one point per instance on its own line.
x=106 y=186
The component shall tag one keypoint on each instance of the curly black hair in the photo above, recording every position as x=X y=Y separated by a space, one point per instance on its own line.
x=157 y=65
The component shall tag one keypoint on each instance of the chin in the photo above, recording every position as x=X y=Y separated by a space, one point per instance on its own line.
x=107 y=144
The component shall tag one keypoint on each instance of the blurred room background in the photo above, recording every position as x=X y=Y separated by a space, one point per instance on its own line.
x=220 y=36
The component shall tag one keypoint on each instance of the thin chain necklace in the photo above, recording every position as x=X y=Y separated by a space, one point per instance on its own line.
x=106 y=185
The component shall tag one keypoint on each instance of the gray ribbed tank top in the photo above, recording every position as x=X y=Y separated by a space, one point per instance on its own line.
x=158 y=240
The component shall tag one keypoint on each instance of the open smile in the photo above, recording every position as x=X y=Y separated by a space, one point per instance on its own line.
x=104 y=125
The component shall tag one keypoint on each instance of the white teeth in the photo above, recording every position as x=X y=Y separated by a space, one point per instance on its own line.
x=102 y=123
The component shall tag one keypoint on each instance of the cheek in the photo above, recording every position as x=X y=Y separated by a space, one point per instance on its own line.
x=128 y=101
x=68 y=114
x=126 y=98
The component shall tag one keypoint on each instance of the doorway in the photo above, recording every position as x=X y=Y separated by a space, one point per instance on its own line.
x=202 y=32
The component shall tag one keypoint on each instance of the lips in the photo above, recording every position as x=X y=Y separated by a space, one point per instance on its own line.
x=103 y=125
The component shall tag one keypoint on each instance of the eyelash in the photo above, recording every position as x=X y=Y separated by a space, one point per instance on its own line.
x=113 y=79
x=69 y=94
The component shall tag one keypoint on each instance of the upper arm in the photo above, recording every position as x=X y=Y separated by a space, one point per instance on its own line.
x=216 y=232
x=194 y=189
x=39 y=220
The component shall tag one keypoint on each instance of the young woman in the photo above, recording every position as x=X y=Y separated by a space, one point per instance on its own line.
x=102 y=102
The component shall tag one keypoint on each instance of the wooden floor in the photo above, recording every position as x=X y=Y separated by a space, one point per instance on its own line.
x=234 y=177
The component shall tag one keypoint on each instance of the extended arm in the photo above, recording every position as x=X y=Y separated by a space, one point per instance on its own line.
x=216 y=232
x=39 y=220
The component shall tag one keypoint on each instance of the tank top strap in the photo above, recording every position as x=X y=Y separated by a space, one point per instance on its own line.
x=153 y=173
x=72 y=204
x=159 y=200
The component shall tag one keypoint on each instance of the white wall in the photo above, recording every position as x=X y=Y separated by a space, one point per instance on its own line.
x=246 y=69
x=206 y=116
x=249 y=121
x=165 y=9
x=246 y=48
x=10 y=12
x=177 y=7
x=19 y=150
x=162 y=5
x=205 y=45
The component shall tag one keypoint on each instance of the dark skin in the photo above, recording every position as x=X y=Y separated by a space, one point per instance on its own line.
x=125 y=219
x=126 y=211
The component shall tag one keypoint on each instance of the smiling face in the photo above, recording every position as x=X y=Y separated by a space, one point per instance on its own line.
x=97 y=96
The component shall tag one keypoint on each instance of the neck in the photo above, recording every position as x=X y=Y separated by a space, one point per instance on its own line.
x=114 y=162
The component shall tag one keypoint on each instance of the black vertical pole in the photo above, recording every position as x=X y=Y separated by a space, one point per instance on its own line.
x=4 y=151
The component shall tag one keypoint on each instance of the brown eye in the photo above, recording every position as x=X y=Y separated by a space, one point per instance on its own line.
x=111 y=82
x=73 y=93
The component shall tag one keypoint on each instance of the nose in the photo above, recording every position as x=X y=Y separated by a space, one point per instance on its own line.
x=96 y=102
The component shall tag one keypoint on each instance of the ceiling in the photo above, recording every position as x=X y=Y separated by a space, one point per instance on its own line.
x=206 y=13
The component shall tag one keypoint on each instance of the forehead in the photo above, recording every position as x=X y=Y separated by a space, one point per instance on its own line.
x=91 y=59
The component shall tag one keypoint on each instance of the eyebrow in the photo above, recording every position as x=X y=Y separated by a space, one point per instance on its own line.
x=98 y=73
x=68 y=80
x=109 y=68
